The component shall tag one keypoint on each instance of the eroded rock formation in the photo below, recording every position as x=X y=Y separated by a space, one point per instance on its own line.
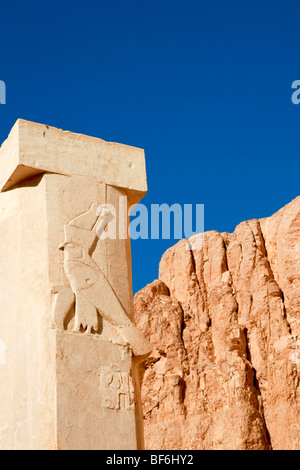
x=225 y=324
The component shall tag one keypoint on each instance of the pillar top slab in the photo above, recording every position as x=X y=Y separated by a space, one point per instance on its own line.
x=33 y=148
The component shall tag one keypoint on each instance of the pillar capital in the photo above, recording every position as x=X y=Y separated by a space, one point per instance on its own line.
x=33 y=148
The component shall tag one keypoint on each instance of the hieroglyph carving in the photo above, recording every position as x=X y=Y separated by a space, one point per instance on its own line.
x=117 y=391
x=89 y=290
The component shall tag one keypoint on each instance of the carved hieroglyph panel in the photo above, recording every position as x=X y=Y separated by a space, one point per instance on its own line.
x=117 y=391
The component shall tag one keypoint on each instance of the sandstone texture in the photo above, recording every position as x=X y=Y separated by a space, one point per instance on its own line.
x=69 y=347
x=224 y=321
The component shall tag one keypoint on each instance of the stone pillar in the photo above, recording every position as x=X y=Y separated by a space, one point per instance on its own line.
x=69 y=348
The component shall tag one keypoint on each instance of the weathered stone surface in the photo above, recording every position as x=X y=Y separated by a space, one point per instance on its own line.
x=33 y=148
x=69 y=347
x=224 y=320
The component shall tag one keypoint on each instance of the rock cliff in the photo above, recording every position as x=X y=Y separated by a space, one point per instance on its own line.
x=224 y=320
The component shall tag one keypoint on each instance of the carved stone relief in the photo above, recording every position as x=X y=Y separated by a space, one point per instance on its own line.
x=89 y=292
x=117 y=391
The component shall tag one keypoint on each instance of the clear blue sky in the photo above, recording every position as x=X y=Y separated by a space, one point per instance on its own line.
x=203 y=86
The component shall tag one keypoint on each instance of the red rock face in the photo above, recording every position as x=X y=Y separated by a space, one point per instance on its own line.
x=224 y=321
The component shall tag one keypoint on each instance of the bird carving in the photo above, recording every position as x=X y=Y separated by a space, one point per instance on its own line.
x=90 y=290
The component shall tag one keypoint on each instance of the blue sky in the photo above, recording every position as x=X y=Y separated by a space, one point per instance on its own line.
x=203 y=86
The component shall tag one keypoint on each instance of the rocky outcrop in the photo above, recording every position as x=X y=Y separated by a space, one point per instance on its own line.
x=224 y=320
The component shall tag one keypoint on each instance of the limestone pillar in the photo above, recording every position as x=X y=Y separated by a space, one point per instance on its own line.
x=68 y=344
